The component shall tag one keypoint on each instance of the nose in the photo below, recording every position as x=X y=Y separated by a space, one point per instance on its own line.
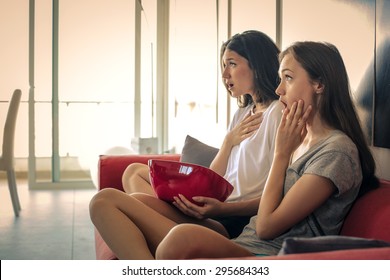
x=279 y=90
x=225 y=73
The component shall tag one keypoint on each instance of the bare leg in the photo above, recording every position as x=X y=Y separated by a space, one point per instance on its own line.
x=130 y=228
x=189 y=241
x=135 y=178
x=172 y=213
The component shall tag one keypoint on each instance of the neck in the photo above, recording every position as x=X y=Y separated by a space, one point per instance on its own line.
x=259 y=107
x=316 y=131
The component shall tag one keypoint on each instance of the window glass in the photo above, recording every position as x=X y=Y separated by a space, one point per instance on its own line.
x=193 y=71
x=148 y=68
x=355 y=39
x=96 y=78
x=253 y=14
x=14 y=70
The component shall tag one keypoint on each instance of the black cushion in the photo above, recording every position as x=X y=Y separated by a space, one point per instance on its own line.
x=296 y=245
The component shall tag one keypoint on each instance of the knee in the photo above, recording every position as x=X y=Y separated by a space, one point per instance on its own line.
x=126 y=175
x=178 y=244
x=130 y=172
x=100 y=202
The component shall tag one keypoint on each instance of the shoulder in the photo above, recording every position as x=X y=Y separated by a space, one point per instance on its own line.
x=337 y=158
x=274 y=110
x=243 y=110
x=273 y=115
x=338 y=141
x=336 y=145
x=241 y=113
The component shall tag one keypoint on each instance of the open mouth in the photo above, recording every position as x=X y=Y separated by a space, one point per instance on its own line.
x=284 y=104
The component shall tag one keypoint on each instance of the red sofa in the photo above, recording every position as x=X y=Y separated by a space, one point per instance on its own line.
x=369 y=218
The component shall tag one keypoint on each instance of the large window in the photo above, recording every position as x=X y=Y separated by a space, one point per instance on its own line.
x=95 y=77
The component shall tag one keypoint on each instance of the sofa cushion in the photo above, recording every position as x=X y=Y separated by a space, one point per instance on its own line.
x=194 y=151
x=296 y=245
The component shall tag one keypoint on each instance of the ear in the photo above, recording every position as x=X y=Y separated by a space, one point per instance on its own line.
x=319 y=87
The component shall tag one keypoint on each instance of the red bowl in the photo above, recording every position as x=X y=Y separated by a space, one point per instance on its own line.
x=171 y=178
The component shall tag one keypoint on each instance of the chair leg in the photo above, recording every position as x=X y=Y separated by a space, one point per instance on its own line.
x=13 y=191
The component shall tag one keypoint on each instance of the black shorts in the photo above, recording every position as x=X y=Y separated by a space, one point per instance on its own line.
x=234 y=224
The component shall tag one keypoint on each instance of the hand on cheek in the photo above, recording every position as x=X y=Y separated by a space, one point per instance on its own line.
x=292 y=129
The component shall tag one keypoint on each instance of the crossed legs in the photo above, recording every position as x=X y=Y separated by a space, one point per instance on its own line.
x=133 y=226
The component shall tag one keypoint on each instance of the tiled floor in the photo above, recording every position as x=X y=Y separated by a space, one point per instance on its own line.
x=53 y=225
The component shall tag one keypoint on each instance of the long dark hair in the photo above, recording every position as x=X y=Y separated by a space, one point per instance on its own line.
x=262 y=55
x=324 y=64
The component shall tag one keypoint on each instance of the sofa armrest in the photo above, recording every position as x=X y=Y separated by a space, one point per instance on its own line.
x=111 y=167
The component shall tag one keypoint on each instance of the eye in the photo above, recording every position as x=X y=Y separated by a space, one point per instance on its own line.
x=287 y=77
x=232 y=64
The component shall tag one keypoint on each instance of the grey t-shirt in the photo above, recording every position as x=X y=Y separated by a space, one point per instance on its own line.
x=335 y=158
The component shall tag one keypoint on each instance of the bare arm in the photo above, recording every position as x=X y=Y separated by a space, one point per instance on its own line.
x=220 y=161
x=277 y=214
x=241 y=208
x=214 y=208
